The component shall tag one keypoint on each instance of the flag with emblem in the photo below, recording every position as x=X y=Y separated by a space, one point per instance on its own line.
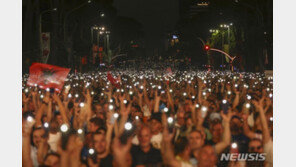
x=47 y=76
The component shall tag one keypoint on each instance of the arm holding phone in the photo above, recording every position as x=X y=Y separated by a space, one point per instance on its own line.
x=166 y=145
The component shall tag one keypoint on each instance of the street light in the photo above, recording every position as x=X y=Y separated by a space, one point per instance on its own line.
x=228 y=37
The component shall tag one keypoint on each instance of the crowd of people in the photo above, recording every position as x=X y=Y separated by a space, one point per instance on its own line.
x=149 y=118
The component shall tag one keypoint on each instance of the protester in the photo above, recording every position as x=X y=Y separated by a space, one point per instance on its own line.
x=149 y=118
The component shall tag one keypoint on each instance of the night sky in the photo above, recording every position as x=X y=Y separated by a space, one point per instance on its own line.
x=157 y=17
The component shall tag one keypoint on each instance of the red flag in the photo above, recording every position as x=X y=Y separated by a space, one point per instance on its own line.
x=47 y=76
x=112 y=80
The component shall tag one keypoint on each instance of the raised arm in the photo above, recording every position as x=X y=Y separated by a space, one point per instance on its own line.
x=26 y=151
x=219 y=147
x=166 y=145
x=265 y=131
x=61 y=108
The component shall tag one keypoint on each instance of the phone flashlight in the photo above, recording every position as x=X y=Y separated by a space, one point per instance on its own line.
x=234 y=145
x=209 y=89
x=92 y=93
x=171 y=90
x=270 y=95
x=115 y=115
x=248 y=105
x=76 y=95
x=141 y=87
x=64 y=128
x=69 y=95
x=192 y=97
x=170 y=120
x=197 y=106
x=184 y=94
x=137 y=117
x=128 y=126
x=271 y=119
x=102 y=94
x=46 y=125
x=117 y=90
x=229 y=92
x=91 y=151
x=159 y=87
x=81 y=104
x=204 y=93
x=165 y=109
x=79 y=131
x=111 y=100
x=30 y=119
x=122 y=90
x=111 y=107
x=124 y=101
x=130 y=92
x=203 y=111
x=41 y=96
x=249 y=97
x=224 y=101
x=47 y=89
x=236 y=85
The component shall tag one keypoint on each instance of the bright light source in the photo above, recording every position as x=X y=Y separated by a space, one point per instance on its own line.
x=130 y=92
x=76 y=95
x=170 y=120
x=29 y=119
x=64 y=128
x=270 y=95
x=128 y=126
x=141 y=87
x=137 y=117
x=111 y=100
x=171 y=90
x=204 y=93
x=41 y=96
x=229 y=92
x=91 y=151
x=271 y=118
x=79 y=131
x=81 y=104
x=69 y=95
x=46 y=125
x=115 y=115
x=204 y=109
x=111 y=107
x=92 y=93
x=184 y=94
x=124 y=101
x=193 y=97
x=234 y=145
x=47 y=89
x=249 y=97
x=159 y=87
x=197 y=106
x=165 y=109
x=224 y=101
x=248 y=105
